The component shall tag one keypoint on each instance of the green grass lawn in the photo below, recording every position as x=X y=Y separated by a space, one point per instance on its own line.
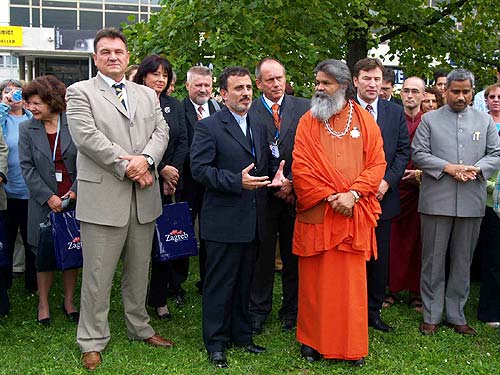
x=28 y=348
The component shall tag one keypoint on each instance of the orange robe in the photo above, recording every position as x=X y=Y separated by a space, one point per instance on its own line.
x=332 y=248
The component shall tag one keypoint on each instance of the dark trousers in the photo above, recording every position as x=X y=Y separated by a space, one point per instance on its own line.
x=280 y=220
x=489 y=297
x=226 y=294
x=166 y=279
x=377 y=271
x=16 y=219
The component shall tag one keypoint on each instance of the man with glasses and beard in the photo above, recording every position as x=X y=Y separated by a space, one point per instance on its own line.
x=338 y=164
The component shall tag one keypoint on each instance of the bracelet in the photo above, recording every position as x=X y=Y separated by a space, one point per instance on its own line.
x=356 y=195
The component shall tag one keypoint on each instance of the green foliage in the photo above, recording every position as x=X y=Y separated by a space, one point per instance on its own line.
x=301 y=33
x=28 y=348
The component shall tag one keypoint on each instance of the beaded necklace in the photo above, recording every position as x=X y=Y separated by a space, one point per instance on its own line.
x=347 y=126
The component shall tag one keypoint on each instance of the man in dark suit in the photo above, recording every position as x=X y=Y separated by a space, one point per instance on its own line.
x=367 y=77
x=197 y=106
x=387 y=87
x=279 y=114
x=230 y=157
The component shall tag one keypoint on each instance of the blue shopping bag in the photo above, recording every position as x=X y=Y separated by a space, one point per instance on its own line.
x=4 y=256
x=67 y=243
x=174 y=233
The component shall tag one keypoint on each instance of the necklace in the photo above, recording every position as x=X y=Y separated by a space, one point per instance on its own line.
x=347 y=125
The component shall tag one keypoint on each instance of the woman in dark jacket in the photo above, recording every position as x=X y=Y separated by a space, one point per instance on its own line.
x=166 y=277
x=48 y=161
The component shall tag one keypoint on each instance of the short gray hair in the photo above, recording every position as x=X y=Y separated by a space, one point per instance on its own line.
x=459 y=75
x=200 y=70
x=340 y=72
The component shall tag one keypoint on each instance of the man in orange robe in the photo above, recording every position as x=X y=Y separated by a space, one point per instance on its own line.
x=338 y=163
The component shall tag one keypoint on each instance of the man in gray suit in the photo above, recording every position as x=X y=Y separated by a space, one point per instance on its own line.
x=279 y=114
x=119 y=131
x=458 y=149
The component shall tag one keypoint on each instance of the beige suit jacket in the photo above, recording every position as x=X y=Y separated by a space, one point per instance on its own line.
x=102 y=130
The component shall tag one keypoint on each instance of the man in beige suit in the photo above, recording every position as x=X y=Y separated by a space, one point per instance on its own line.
x=119 y=131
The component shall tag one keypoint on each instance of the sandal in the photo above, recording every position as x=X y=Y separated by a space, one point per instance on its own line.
x=416 y=304
x=389 y=301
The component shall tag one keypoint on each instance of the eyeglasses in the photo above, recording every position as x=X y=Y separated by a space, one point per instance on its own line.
x=413 y=91
x=493 y=97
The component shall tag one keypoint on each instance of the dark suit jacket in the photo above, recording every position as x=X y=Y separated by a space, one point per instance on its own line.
x=292 y=109
x=219 y=152
x=192 y=190
x=392 y=122
x=38 y=169
x=177 y=148
x=395 y=100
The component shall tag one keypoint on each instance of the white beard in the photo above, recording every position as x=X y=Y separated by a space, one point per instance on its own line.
x=324 y=106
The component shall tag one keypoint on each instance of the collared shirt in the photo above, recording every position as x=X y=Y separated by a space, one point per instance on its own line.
x=110 y=82
x=374 y=106
x=206 y=109
x=242 y=121
x=480 y=102
x=270 y=102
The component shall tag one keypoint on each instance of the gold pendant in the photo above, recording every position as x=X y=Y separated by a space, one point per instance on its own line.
x=355 y=133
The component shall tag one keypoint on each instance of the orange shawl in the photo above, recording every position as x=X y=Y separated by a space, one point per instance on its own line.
x=314 y=179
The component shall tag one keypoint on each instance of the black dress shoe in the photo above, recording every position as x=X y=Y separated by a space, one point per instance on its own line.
x=379 y=325
x=254 y=349
x=166 y=316
x=73 y=316
x=179 y=299
x=257 y=327
x=310 y=354
x=45 y=321
x=288 y=324
x=218 y=359
x=358 y=362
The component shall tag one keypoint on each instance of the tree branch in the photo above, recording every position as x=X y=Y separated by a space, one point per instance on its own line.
x=436 y=17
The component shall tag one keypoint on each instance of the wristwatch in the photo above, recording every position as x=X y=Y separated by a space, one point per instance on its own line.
x=150 y=160
x=356 y=195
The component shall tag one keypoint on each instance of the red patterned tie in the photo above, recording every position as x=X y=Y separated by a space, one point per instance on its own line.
x=276 y=115
x=200 y=112
x=369 y=108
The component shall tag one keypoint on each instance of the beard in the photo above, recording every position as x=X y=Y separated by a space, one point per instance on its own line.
x=324 y=106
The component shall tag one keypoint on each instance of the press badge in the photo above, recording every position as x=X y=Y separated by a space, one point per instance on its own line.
x=59 y=176
x=275 y=151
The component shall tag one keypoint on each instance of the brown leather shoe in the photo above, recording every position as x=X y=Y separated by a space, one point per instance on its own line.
x=428 y=328
x=464 y=329
x=158 y=341
x=91 y=360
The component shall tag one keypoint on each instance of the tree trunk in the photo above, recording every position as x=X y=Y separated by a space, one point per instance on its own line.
x=357 y=49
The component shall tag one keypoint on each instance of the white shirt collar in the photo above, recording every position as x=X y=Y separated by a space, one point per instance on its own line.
x=270 y=103
x=110 y=81
x=206 y=108
x=374 y=106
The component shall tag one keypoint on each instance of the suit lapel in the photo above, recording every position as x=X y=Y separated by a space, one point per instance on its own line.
x=40 y=140
x=287 y=116
x=131 y=99
x=234 y=129
x=64 y=134
x=255 y=138
x=382 y=114
x=110 y=96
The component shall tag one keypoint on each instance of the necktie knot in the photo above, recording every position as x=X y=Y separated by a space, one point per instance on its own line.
x=369 y=108
x=276 y=115
x=200 y=112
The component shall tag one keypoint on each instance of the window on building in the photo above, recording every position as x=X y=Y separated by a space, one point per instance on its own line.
x=19 y=16
x=90 y=20
x=64 y=19
x=115 y=19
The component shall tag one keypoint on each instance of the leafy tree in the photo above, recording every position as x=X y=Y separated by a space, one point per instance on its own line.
x=301 y=33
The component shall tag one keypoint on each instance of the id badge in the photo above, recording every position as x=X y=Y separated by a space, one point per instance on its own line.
x=275 y=151
x=59 y=176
